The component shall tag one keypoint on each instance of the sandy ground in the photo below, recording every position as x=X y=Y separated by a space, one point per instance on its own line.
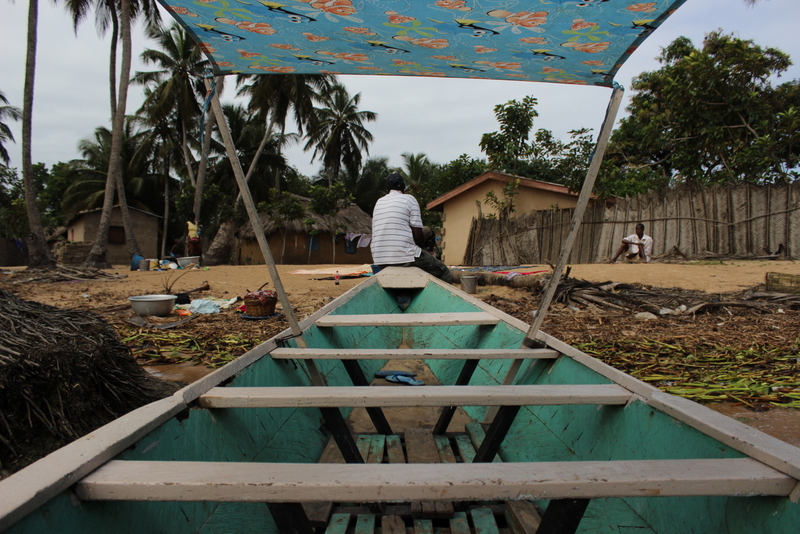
x=228 y=280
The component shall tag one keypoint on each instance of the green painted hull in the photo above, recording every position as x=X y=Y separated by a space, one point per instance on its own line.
x=297 y=435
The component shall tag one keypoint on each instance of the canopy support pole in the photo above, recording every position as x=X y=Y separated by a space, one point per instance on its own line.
x=252 y=213
x=577 y=217
x=333 y=417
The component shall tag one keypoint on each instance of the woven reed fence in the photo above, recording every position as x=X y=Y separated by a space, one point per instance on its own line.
x=743 y=221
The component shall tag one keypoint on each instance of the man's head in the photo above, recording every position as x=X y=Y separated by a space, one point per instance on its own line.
x=395 y=182
x=640 y=229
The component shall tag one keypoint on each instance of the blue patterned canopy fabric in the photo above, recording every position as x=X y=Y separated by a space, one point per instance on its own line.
x=561 y=41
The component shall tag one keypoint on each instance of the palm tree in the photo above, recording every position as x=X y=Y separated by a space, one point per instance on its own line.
x=38 y=253
x=107 y=14
x=369 y=184
x=249 y=138
x=88 y=175
x=97 y=254
x=6 y=112
x=418 y=172
x=272 y=97
x=340 y=135
x=176 y=85
x=119 y=15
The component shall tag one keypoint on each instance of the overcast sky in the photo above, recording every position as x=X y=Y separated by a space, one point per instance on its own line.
x=442 y=118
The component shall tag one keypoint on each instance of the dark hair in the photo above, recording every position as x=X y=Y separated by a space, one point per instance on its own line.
x=395 y=181
x=640 y=224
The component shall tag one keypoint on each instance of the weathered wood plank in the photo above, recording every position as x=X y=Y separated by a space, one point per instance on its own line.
x=446 y=455
x=423 y=526
x=523 y=517
x=394 y=450
x=403 y=278
x=376 y=446
x=413 y=354
x=365 y=524
x=386 y=396
x=409 y=319
x=420 y=446
x=284 y=482
x=465 y=448
x=484 y=522
x=338 y=524
x=459 y=524
x=392 y=524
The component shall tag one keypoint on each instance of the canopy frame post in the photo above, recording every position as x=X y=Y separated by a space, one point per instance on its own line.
x=333 y=417
x=577 y=217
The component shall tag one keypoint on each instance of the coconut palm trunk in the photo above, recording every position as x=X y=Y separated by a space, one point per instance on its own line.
x=97 y=256
x=38 y=253
x=166 y=206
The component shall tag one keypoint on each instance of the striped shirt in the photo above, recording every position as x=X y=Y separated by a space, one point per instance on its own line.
x=392 y=219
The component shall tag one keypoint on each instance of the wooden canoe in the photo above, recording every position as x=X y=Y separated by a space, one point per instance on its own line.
x=569 y=445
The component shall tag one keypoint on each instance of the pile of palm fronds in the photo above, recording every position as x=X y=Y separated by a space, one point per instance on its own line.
x=62 y=273
x=63 y=373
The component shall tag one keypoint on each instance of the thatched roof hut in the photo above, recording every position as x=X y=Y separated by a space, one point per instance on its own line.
x=309 y=245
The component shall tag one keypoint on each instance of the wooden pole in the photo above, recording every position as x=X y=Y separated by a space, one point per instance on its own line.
x=252 y=212
x=577 y=217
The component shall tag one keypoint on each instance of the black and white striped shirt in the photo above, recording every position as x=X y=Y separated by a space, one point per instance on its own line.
x=392 y=219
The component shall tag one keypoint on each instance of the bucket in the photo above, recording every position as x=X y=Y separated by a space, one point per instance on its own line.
x=469 y=284
x=144 y=265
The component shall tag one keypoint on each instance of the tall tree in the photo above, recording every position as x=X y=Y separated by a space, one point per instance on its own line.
x=418 y=171
x=6 y=112
x=176 y=84
x=38 y=252
x=97 y=254
x=340 y=136
x=110 y=12
x=273 y=97
x=712 y=115
x=369 y=184
x=508 y=146
x=88 y=175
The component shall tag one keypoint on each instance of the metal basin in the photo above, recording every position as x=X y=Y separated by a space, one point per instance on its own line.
x=158 y=305
x=187 y=260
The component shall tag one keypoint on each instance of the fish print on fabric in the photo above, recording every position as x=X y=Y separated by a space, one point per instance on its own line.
x=560 y=41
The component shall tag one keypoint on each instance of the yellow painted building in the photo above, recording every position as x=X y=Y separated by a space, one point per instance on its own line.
x=460 y=206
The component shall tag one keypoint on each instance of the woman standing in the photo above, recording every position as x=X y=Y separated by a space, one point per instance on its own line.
x=193 y=230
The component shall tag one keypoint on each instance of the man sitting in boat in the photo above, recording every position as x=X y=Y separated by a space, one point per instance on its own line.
x=635 y=246
x=397 y=234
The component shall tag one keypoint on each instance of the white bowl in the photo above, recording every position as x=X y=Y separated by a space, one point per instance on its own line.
x=183 y=262
x=158 y=305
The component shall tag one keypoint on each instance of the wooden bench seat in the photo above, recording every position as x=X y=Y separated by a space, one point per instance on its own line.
x=270 y=482
x=387 y=396
x=413 y=354
x=409 y=319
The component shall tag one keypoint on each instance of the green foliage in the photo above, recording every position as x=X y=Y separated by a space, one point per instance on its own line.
x=712 y=115
x=504 y=207
x=6 y=112
x=327 y=201
x=369 y=184
x=506 y=147
x=455 y=173
x=13 y=216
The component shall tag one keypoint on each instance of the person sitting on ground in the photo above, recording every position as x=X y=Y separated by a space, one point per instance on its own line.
x=397 y=232
x=636 y=245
